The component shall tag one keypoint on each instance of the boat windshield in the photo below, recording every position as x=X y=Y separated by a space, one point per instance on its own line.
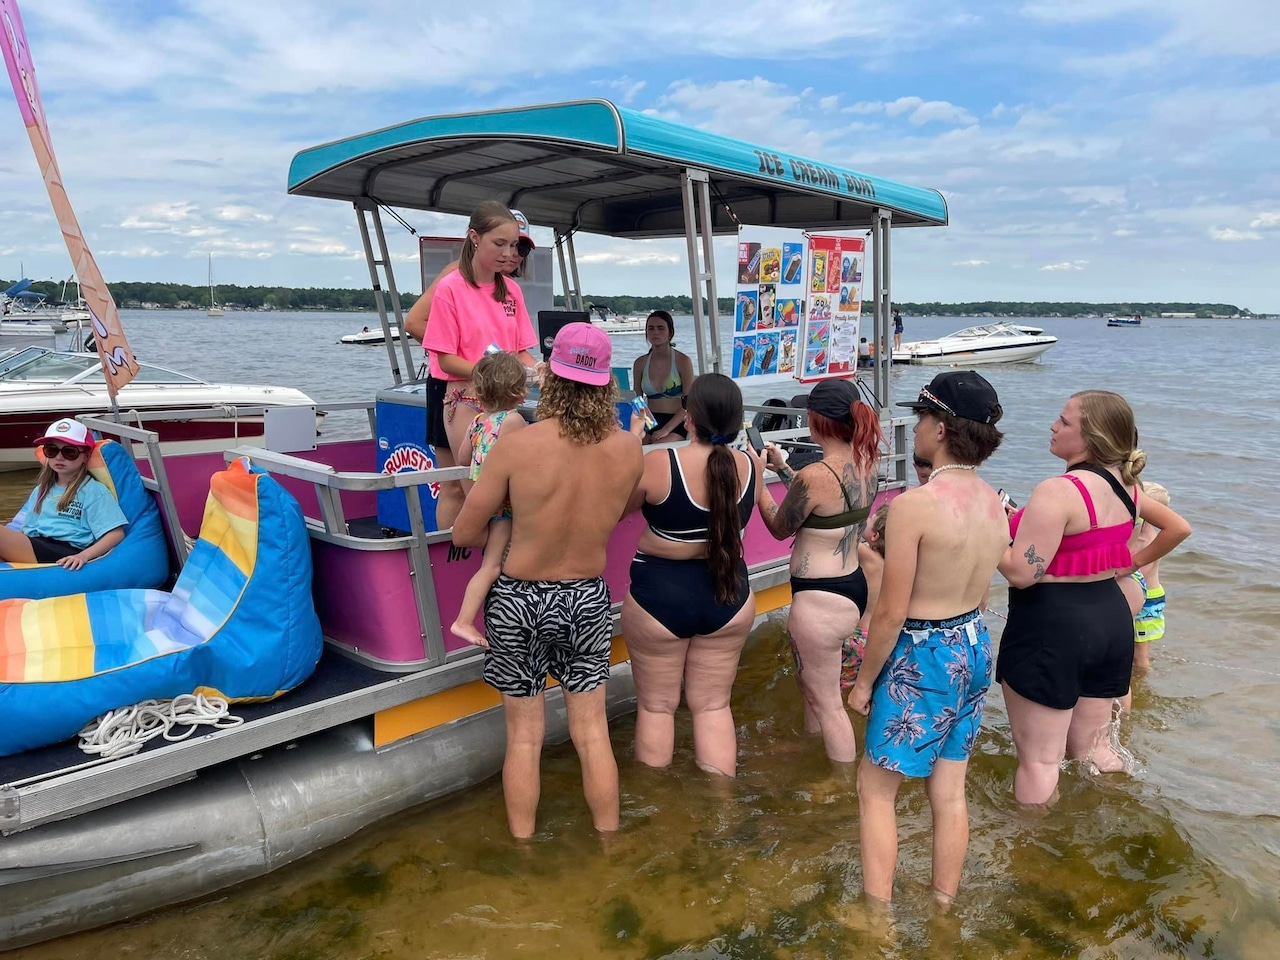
x=988 y=330
x=37 y=365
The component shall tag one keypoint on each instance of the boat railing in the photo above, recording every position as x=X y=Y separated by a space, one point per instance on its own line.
x=893 y=462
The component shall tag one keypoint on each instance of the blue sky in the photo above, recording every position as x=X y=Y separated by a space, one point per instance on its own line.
x=1089 y=149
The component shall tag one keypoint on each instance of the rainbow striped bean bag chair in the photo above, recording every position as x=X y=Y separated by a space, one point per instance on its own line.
x=140 y=560
x=239 y=623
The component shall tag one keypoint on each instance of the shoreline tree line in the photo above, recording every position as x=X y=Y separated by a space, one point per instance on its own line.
x=177 y=296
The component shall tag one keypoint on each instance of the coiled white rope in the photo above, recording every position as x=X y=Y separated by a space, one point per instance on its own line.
x=120 y=733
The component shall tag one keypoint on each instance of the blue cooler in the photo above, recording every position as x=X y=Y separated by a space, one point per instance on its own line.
x=401 y=416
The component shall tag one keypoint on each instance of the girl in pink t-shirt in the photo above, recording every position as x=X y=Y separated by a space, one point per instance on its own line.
x=472 y=308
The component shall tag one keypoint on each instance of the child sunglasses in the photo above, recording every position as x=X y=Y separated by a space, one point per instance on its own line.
x=52 y=450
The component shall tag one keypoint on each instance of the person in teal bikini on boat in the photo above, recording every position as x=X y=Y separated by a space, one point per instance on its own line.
x=499 y=381
x=664 y=376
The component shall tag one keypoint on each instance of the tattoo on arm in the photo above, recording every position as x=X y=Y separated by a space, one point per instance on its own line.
x=794 y=506
x=1035 y=560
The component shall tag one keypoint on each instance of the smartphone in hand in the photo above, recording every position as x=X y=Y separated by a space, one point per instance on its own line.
x=754 y=438
x=1007 y=501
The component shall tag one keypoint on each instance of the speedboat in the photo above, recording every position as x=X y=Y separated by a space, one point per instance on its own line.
x=988 y=343
x=1134 y=321
x=617 y=323
x=370 y=335
x=39 y=385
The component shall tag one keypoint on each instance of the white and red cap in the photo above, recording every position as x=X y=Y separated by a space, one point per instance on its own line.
x=525 y=235
x=583 y=353
x=69 y=431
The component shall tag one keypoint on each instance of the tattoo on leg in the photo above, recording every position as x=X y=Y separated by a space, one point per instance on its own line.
x=795 y=658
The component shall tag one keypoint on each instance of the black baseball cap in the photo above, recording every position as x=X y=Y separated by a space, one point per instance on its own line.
x=834 y=399
x=961 y=393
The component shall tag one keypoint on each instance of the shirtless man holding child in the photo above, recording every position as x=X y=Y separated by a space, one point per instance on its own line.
x=927 y=663
x=568 y=478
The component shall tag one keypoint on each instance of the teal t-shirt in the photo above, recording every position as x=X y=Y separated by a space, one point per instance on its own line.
x=90 y=516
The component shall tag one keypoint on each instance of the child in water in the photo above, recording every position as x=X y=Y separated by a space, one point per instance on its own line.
x=871 y=562
x=1149 y=619
x=499 y=380
x=69 y=518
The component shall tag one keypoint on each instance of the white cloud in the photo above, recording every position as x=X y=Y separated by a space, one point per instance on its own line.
x=1066 y=265
x=1231 y=235
x=1105 y=196
x=1266 y=220
x=970 y=263
x=918 y=111
x=630 y=259
x=242 y=214
x=1249 y=28
x=324 y=248
x=160 y=216
x=1122 y=232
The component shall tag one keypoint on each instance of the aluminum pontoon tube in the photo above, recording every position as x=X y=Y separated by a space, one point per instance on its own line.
x=243 y=819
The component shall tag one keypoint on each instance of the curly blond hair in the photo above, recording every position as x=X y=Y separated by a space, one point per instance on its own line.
x=587 y=414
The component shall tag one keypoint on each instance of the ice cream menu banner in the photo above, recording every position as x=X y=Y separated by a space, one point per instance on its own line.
x=770 y=304
x=834 y=309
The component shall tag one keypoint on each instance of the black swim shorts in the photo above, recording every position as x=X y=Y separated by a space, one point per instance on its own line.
x=540 y=627
x=48 y=550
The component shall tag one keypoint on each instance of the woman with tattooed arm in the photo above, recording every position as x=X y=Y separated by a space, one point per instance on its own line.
x=825 y=508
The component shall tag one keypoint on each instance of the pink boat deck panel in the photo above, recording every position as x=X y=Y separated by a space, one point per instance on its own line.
x=365 y=598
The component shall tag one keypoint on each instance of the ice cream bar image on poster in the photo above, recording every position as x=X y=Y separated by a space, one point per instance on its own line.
x=744 y=354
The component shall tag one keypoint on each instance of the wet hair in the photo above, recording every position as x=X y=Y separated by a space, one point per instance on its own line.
x=879 y=520
x=967 y=440
x=1156 y=491
x=862 y=433
x=665 y=318
x=484 y=218
x=1110 y=432
x=47 y=480
x=499 y=381
x=587 y=414
x=715 y=413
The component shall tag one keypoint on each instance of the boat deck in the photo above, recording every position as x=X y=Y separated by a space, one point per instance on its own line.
x=60 y=781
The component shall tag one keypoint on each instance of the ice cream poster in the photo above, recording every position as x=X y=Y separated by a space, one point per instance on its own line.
x=832 y=311
x=770 y=302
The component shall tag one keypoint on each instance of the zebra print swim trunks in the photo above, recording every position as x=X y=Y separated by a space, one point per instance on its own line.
x=536 y=627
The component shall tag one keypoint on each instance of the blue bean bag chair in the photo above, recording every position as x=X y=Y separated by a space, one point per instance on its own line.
x=239 y=624
x=140 y=560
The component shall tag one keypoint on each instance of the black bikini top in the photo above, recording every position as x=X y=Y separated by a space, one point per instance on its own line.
x=678 y=518
x=852 y=515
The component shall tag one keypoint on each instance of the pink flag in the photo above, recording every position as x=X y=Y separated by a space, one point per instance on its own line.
x=113 y=349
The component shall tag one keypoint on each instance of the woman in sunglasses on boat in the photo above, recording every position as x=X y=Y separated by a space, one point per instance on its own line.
x=69 y=518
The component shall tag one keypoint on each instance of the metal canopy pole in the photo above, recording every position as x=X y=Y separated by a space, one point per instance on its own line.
x=392 y=289
x=880 y=232
x=564 y=270
x=364 y=207
x=700 y=280
x=573 y=269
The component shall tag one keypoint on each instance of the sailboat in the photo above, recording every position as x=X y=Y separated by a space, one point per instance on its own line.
x=214 y=310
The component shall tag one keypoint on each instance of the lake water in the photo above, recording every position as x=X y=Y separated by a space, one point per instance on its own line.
x=1181 y=859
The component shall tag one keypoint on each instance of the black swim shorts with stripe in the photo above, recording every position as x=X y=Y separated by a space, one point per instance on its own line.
x=536 y=627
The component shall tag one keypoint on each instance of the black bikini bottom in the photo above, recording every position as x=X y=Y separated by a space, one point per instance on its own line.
x=681 y=594
x=852 y=585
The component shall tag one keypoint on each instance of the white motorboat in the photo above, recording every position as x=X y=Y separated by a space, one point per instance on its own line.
x=38 y=385
x=989 y=343
x=370 y=335
x=617 y=323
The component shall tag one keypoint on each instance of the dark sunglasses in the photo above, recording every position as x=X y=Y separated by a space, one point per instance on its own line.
x=52 y=450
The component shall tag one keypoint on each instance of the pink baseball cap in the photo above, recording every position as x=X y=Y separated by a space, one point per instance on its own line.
x=68 y=431
x=526 y=238
x=582 y=353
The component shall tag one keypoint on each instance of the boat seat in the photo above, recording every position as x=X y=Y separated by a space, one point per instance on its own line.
x=140 y=560
x=240 y=623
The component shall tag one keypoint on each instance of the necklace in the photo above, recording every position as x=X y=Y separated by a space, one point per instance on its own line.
x=952 y=466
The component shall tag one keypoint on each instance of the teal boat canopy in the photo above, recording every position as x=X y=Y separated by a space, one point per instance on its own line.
x=592 y=166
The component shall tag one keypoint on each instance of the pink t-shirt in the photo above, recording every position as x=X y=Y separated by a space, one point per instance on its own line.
x=465 y=320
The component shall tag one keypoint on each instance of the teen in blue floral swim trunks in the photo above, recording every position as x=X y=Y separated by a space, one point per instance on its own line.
x=927 y=665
